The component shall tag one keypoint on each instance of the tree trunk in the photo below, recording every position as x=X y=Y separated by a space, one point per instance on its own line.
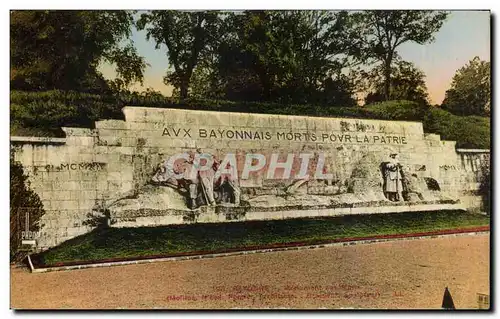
x=387 y=80
x=185 y=82
x=265 y=82
x=183 y=91
x=387 y=77
x=184 y=87
x=266 y=85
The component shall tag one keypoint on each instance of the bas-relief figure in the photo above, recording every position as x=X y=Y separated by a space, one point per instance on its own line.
x=200 y=186
x=355 y=177
x=397 y=183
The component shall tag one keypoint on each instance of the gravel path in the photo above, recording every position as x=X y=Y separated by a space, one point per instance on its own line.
x=401 y=274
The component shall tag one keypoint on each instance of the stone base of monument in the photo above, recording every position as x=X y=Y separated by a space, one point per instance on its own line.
x=156 y=206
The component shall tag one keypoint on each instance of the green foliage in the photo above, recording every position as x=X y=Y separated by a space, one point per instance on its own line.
x=43 y=113
x=485 y=187
x=470 y=92
x=111 y=243
x=50 y=110
x=281 y=56
x=22 y=200
x=58 y=49
x=188 y=37
x=407 y=83
x=287 y=56
x=398 y=110
x=381 y=32
x=468 y=131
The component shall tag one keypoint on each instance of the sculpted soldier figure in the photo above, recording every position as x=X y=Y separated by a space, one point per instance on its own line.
x=229 y=180
x=195 y=179
x=191 y=178
x=393 y=186
x=206 y=177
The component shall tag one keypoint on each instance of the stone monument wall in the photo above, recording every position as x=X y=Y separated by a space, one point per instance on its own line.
x=117 y=169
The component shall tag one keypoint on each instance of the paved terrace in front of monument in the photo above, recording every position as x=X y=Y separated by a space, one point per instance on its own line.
x=395 y=275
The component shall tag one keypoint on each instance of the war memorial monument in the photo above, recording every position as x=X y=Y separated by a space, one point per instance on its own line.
x=164 y=166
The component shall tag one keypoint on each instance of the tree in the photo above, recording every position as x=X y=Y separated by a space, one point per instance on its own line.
x=407 y=83
x=188 y=37
x=381 y=32
x=62 y=49
x=470 y=92
x=313 y=47
x=280 y=56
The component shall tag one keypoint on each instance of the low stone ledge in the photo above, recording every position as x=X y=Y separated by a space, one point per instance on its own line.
x=472 y=150
x=37 y=140
x=212 y=215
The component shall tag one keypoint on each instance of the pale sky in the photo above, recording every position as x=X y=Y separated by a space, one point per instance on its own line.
x=464 y=35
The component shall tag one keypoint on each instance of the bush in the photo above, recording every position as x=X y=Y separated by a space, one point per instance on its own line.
x=398 y=110
x=49 y=111
x=43 y=113
x=485 y=186
x=468 y=131
x=22 y=200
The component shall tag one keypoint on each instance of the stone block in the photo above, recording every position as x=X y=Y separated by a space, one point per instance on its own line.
x=110 y=124
x=66 y=204
x=62 y=194
x=127 y=186
x=115 y=176
x=258 y=215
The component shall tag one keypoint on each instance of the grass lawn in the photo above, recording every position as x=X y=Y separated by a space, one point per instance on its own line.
x=112 y=243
